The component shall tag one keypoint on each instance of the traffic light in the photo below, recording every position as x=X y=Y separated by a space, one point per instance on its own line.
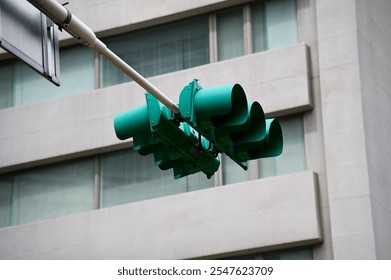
x=174 y=144
x=231 y=124
x=210 y=121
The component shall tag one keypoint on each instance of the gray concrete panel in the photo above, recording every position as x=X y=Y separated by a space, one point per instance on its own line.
x=374 y=39
x=265 y=214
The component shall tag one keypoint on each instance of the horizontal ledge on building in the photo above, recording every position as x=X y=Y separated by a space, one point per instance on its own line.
x=76 y=125
x=263 y=214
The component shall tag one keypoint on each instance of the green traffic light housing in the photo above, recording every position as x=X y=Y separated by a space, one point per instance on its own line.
x=210 y=121
x=175 y=145
x=233 y=126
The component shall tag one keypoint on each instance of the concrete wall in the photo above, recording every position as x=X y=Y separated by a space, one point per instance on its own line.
x=313 y=124
x=344 y=133
x=340 y=72
x=374 y=41
x=260 y=215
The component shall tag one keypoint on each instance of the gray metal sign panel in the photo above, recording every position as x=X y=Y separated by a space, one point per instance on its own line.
x=30 y=36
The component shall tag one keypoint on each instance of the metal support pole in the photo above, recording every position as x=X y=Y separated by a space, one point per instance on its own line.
x=80 y=31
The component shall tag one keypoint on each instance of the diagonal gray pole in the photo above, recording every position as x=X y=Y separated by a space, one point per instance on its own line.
x=75 y=27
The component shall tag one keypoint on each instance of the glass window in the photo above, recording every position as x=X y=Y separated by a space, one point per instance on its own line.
x=126 y=176
x=258 y=25
x=6 y=82
x=76 y=75
x=159 y=50
x=304 y=253
x=230 y=33
x=232 y=172
x=281 y=27
x=274 y=24
x=292 y=158
x=77 y=70
x=47 y=192
x=290 y=254
x=198 y=181
x=20 y=85
x=5 y=201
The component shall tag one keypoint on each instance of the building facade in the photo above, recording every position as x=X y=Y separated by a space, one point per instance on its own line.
x=69 y=189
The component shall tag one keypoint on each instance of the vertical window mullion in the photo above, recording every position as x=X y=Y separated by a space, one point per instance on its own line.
x=14 y=203
x=248 y=42
x=218 y=177
x=253 y=168
x=212 y=38
x=97 y=80
x=97 y=196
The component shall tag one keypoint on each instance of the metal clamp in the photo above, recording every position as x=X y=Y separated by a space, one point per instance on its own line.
x=66 y=21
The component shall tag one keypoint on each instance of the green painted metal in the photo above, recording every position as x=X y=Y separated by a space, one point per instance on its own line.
x=270 y=145
x=219 y=107
x=232 y=125
x=210 y=121
x=175 y=145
